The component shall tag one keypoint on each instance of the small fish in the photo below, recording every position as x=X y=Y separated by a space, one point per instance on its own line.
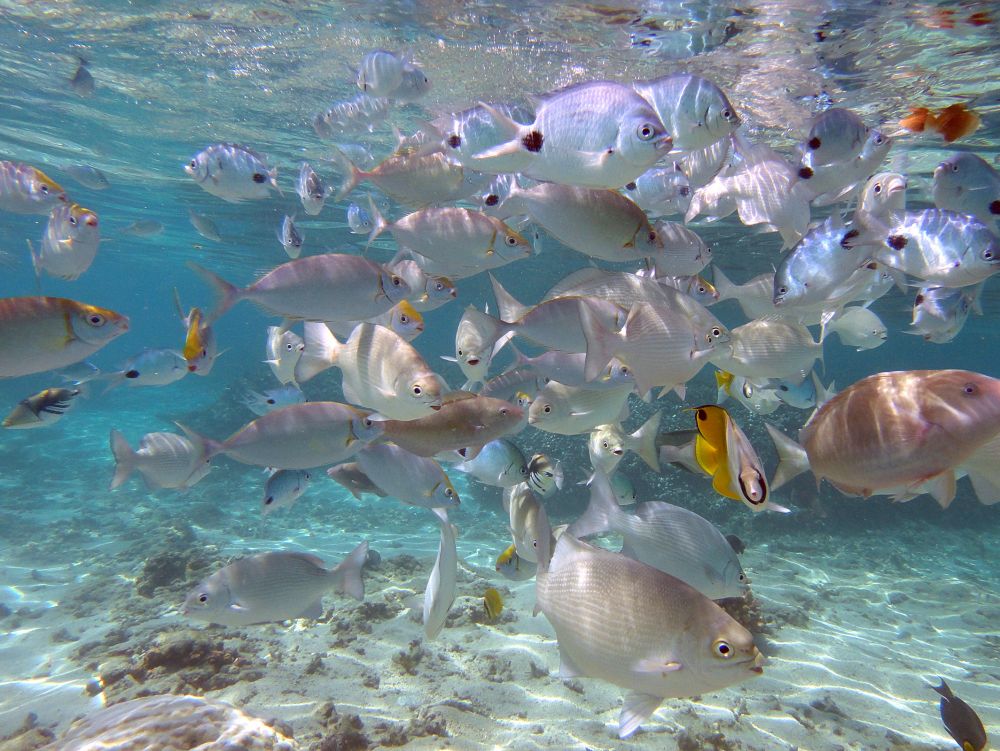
x=568 y=368
x=529 y=525
x=360 y=113
x=746 y=392
x=857 y=326
x=69 y=245
x=512 y=566
x=165 y=460
x=953 y=122
x=45 y=333
x=544 y=476
x=327 y=287
x=769 y=348
x=725 y=454
x=968 y=184
x=143 y=228
x=678 y=642
x=568 y=410
x=359 y=221
x=661 y=191
x=290 y=237
x=500 y=463
x=413 y=181
x=82 y=81
x=802 y=395
x=283 y=349
x=440 y=592
x=311 y=190
x=151 y=367
x=299 y=436
x=402 y=318
x=380 y=73
x=41 y=409
x=271 y=587
x=232 y=172
x=837 y=135
x=204 y=226
x=350 y=476
x=492 y=604
x=87 y=176
x=961 y=720
x=261 y=404
x=200 y=348
x=283 y=489
x=380 y=370
x=939 y=313
x=817 y=267
x=413 y=86
x=607 y=445
x=27 y=190
x=416 y=480
x=669 y=538
x=427 y=291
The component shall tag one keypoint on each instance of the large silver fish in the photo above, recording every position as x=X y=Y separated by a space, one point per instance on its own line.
x=232 y=172
x=416 y=480
x=276 y=586
x=678 y=642
x=300 y=436
x=381 y=370
x=570 y=410
x=597 y=134
x=968 y=184
x=667 y=537
x=327 y=287
x=694 y=110
x=165 y=460
x=69 y=244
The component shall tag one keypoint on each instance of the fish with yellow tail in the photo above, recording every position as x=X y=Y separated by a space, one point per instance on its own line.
x=961 y=720
x=900 y=433
x=492 y=604
x=200 y=348
x=724 y=453
x=45 y=333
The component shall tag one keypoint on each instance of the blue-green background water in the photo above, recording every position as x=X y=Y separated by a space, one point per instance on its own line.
x=173 y=78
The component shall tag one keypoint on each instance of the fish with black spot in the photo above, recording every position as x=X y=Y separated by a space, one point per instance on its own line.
x=233 y=172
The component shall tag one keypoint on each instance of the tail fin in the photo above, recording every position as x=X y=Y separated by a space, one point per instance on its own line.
x=346 y=577
x=273 y=180
x=508 y=308
x=229 y=294
x=510 y=131
x=320 y=352
x=600 y=343
x=944 y=689
x=723 y=285
x=379 y=224
x=792 y=458
x=211 y=446
x=124 y=458
x=352 y=177
x=645 y=438
x=601 y=511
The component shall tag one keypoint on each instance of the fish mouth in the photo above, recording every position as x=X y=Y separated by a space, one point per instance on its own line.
x=192 y=368
x=755 y=664
x=617 y=452
x=435 y=407
x=472 y=361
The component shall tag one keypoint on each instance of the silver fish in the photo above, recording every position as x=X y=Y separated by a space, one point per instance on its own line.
x=165 y=460
x=350 y=476
x=282 y=350
x=440 y=592
x=817 y=267
x=857 y=327
x=608 y=443
x=360 y=113
x=667 y=537
x=939 y=313
x=678 y=643
x=414 y=84
x=769 y=348
x=271 y=587
x=232 y=172
x=204 y=226
x=327 y=287
x=88 y=176
x=597 y=134
x=290 y=237
x=968 y=184
x=571 y=411
x=283 y=489
x=837 y=135
x=661 y=191
x=262 y=403
x=143 y=228
x=416 y=480
x=694 y=110
x=27 y=190
x=359 y=221
x=311 y=190
x=151 y=367
x=529 y=525
x=380 y=73
x=500 y=463
x=70 y=242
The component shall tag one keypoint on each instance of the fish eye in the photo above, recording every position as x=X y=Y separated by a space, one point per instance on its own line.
x=783 y=387
x=203 y=598
x=44 y=188
x=510 y=240
x=722 y=649
x=782 y=290
x=605 y=444
x=547 y=408
x=96 y=319
x=503 y=411
x=954 y=166
x=646 y=131
x=271 y=401
x=460 y=353
x=743 y=577
x=449 y=492
x=396 y=281
x=652 y=236
x=269 y=500
x=417 y=391
x=726 y=114
x=72 y=221
x=702 y=289
x=193 y=163
x=289 y=347
x=877 y=189
x=523 y=470
x=624 y=370
x=404 y=318
x=970 y=389
x=369 y=422
x=988 y=254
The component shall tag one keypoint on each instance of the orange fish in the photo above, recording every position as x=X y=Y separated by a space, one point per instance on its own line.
x=952 y=122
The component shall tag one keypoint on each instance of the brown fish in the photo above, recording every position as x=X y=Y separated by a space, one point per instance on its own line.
x=901 y=433
x=465 y=421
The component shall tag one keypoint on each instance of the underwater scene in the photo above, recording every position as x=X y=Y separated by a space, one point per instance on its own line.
x=499 y=375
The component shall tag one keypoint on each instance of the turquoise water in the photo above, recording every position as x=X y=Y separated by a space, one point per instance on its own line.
x=867 y=601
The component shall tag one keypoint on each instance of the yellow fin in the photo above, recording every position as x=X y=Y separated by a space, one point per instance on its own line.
x=493 y=603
